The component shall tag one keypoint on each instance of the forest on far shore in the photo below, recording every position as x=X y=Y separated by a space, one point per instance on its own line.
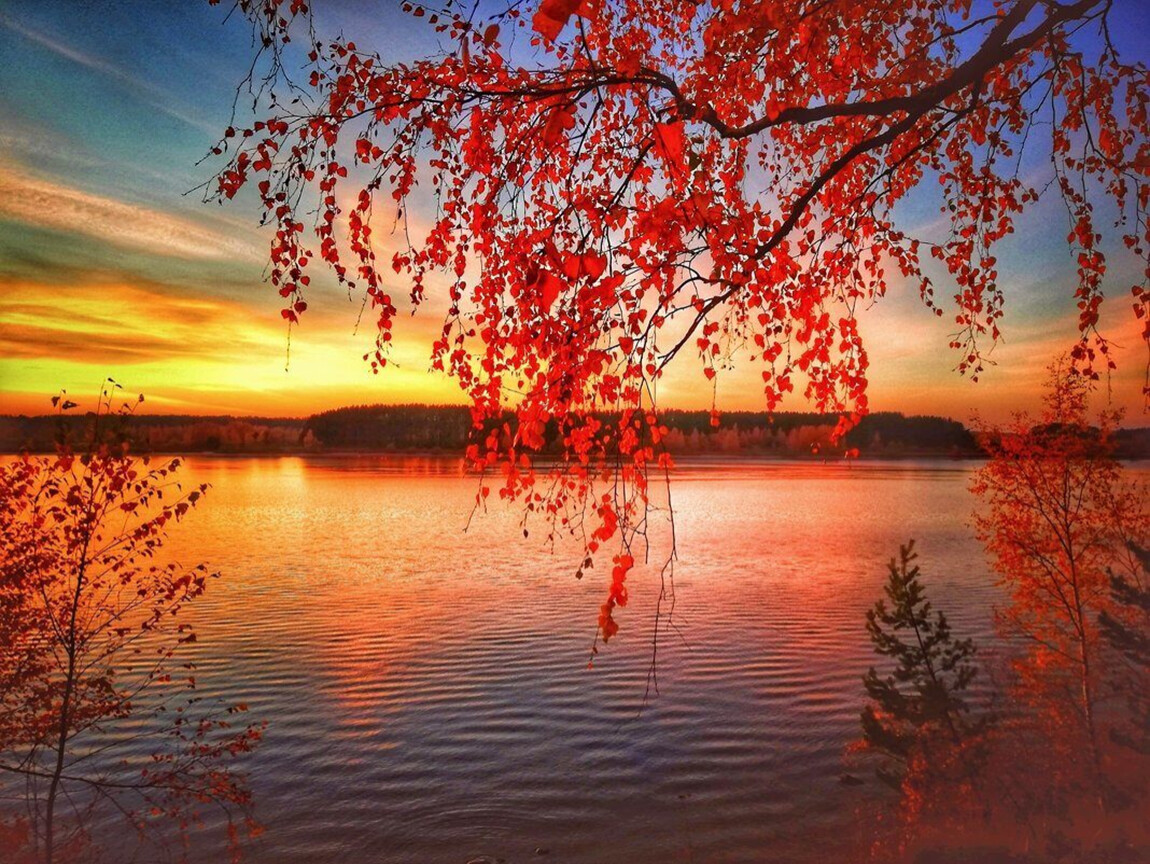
x=446 y=428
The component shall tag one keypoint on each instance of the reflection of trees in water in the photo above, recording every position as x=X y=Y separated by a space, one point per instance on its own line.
x=99 y=718
x=1126 y=630
x=1057 y=771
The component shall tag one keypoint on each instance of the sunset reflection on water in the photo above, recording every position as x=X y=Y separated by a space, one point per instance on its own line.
x=429 y=685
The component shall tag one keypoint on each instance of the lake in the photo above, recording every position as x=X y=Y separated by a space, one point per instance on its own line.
x=427 y=689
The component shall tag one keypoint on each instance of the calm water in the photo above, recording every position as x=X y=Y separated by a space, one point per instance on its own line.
x=427 y=689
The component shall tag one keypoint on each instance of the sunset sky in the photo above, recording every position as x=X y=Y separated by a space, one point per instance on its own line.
x=111 y=265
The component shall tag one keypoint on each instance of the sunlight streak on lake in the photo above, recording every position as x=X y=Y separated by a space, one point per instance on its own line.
x=427 y=689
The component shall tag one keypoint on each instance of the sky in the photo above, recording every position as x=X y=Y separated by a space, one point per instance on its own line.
x=112 y=266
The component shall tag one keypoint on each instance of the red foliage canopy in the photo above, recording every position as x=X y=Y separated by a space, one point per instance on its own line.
x=615 y=182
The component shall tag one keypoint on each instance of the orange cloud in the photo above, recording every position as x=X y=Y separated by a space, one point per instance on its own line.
x=192 y=354
x=99 y=322
x=912 y=370
x=45 y=204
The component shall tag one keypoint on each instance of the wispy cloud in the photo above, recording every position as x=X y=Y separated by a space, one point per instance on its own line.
x=188 y=352
x=151 y=94
x=124 y=324
x=21 y=143
x=46 y=204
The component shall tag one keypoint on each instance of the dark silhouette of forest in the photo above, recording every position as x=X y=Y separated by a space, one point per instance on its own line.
x=448 y=429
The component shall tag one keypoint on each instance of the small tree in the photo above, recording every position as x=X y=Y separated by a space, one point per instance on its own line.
x=1057 y=516
x=923 y=695
x=90 y=624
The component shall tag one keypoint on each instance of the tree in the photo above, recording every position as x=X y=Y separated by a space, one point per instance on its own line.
x=918 y=721
x=1057 y=519
x=90 y=629
x=924 y=694
x=613 y=183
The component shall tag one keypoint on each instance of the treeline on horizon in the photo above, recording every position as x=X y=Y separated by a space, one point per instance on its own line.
x=380 y=427
x=448 y=429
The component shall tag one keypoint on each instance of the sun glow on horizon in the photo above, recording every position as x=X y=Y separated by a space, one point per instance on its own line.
x=108 y=267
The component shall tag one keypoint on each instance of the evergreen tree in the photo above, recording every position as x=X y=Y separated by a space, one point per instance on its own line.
x=924 y=692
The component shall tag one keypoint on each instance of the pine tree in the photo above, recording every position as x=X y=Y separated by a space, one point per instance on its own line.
x=924 y=693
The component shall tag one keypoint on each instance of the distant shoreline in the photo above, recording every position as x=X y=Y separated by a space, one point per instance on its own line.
x=446 y=431
x=694 y=458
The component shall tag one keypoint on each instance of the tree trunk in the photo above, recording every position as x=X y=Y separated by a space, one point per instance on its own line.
x=65 y=704
x=1088 y=715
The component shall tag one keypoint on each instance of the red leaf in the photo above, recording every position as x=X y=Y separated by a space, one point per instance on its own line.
x=552 y=17
x=550 y=287
x=669 y=142
x=562 y=118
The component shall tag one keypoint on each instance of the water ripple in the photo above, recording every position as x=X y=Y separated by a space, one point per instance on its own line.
x=427 y=689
